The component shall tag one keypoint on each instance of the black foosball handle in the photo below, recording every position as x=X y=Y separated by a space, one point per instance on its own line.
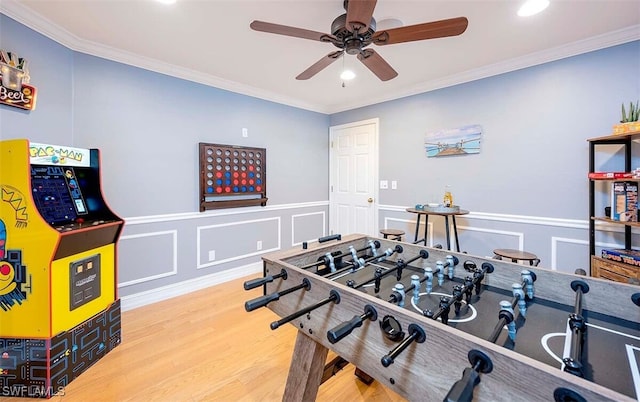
x=254 y=283
x=261 y=301
x=329 y=238
x=266 y=299
x=462 y=390
x=417 y=334
x=336 y=334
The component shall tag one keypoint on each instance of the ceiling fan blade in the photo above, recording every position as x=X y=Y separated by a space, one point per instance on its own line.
x=319 y=65
x=359 y=14
x=291 y=31
x=428 y=30
x=374 y=62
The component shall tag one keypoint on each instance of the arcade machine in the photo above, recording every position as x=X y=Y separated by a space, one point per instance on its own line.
x=59 y=308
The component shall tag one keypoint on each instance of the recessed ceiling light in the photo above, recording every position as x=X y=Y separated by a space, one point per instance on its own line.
x=532 y=7
x=166 y=1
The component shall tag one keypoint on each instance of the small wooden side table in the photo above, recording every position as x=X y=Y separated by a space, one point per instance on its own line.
x=446 y=216
x=517 y=255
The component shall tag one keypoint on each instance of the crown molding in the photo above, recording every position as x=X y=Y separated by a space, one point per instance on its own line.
x=14 y=10
x=25 y=16
x=609 y=39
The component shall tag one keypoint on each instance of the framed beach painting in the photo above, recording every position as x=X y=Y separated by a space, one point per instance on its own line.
x=453 y=141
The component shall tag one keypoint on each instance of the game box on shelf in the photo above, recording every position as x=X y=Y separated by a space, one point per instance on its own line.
x=611 y=175
x=629 y=257
x=624 y=201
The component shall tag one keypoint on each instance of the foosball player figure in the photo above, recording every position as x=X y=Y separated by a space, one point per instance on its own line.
x=398 y=294
x=378 y=276
x=468 y=285
x=505 y=306
x=518 y=293
x=528 y=278
x=415 y=282
x=457 y=297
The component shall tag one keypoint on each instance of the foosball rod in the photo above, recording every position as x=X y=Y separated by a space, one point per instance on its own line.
x=254 y=283
x=400 y=264
x=445 y=302
x=353 y=265
x=334 y=296
x=324 y=260
x=505 y=317
x=573 y=363
x=416 y=334
x=266 y=299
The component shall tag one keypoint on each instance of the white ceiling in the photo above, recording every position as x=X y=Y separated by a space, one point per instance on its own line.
x=209 y=41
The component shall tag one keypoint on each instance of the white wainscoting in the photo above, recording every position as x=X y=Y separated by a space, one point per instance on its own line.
x=199 y=229
x=173 y=271
x=293 y=227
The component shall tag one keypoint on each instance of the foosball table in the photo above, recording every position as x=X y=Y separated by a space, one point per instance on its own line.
x=432 y=324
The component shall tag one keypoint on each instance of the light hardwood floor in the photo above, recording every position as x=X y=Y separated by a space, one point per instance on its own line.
x=204 y=347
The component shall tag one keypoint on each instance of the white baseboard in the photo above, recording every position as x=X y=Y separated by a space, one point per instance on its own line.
x=133 y=301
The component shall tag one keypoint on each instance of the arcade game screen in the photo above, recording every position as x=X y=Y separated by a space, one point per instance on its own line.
x=57 y=194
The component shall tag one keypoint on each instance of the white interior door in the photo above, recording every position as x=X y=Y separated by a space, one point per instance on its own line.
x=353 y=162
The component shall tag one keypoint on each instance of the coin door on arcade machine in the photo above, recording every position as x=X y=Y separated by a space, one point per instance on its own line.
x=59 y=308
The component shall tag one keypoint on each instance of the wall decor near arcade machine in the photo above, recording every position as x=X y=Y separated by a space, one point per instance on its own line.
x=232 y=176
x=59 y=308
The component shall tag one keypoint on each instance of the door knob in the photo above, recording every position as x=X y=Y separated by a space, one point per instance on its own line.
x=370 y=200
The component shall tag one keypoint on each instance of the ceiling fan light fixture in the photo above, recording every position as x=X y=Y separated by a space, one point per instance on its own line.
x=347 y=75
x=532 y=7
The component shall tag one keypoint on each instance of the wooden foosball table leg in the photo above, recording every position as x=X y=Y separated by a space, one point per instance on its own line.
x=305 y=372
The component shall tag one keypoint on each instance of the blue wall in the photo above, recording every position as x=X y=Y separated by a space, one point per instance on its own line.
x=51 y=67
x=533 y=157
x=526 y=189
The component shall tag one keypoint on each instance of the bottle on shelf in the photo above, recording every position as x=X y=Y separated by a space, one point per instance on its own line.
x=447 y=200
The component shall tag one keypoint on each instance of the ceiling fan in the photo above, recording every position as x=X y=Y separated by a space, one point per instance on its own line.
x=353 y=31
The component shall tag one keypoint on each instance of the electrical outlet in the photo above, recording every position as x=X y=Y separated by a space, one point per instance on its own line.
x=394 y=185
x=212 y=255
x=259 y=245
x=384 y=184
x=245 y=132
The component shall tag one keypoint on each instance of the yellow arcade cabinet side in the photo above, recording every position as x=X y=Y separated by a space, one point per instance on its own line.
x=59 y=308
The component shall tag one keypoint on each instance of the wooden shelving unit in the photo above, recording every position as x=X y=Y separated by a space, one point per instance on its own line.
x=600 y=267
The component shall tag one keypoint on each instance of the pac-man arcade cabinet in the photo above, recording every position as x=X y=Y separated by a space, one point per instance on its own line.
x=59 y=308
